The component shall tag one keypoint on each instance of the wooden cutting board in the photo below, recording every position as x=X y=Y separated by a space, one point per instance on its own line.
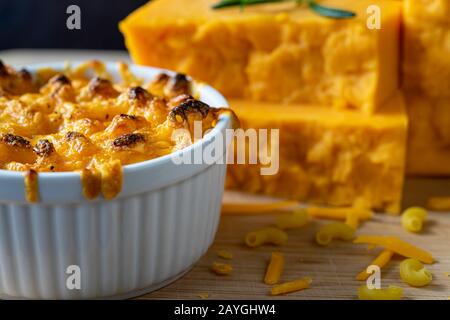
x=333 y=269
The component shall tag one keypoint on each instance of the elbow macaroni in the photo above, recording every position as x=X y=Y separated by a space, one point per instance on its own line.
x=297 y=219
x=391 y=293
x=275 y=268
x=414 y=273
x=413 y=219
x=266 y=236
x=291 y=286
x=332 y=231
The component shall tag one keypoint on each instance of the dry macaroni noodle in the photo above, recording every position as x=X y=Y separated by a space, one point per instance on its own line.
x=337 y=230
x=291 y=286
x=413 y=219
x=275 y=268
x=266 y=236
x=414 y=273
x=391 y=293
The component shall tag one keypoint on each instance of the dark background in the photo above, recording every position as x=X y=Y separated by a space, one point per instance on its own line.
x=42 y=23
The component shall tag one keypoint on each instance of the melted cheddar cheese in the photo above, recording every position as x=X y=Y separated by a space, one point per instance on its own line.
x=78 y=120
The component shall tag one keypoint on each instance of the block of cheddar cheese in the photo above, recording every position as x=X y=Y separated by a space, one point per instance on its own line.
x=426 y=65
x=429 y=135
x=426 y=82
x=278 y=52
x=329 y=157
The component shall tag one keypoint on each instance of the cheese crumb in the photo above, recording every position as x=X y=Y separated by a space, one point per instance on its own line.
x=225 y=254
x=203 y=295
x=221 y=269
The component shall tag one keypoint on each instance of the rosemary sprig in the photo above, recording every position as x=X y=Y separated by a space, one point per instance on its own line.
x=324 y=11
x=242 y=3
x=330 y=12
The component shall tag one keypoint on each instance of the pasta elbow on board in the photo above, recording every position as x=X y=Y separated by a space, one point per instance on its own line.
x=414 y=218
x=266 y=236
x=331 y=231
x=390 y=293
x=413 y=272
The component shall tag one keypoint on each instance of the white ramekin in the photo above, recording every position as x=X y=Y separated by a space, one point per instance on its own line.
x=161 y=223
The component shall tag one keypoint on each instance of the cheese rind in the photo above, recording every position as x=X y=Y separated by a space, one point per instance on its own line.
x=426 y=53
x=273 y=52
x=329 y=157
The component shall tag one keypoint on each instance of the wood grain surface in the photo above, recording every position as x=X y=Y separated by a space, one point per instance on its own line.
x=333 y=269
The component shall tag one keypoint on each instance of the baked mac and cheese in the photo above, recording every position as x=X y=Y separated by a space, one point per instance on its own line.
x=78 y=119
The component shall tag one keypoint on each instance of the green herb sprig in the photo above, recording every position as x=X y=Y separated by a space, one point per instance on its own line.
x=324 y=11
